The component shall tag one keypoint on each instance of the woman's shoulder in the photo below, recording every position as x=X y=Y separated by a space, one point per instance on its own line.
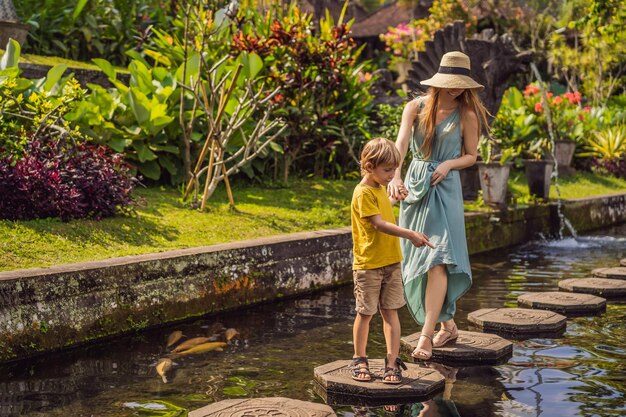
x=416 y=104
x=418 y=101
x=469 y=114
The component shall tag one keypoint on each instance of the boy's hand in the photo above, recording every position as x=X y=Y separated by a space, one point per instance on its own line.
x=420 y=239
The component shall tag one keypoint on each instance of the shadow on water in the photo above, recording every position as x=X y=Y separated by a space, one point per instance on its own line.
x=580 y=374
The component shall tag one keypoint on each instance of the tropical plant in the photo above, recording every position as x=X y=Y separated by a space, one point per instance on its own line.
x=515 y=128
x=83 y=30
x=57 y=178
x=30 y=109
x=386 y=119
x=607 y=147
x=407 y=39
x=139 y=120
x=608 y=144
x=47 y=168
x=324 y=96
x=521 y=120
x=591 y=53
x=491 y=150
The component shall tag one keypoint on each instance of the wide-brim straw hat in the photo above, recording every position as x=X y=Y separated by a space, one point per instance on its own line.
x=454 y=72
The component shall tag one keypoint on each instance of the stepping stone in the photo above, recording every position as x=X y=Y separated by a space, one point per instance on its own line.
x=615 y=273
x=471 y=348
x=337 y=386
x=607 y=288
x=264 y=407
x=623 y=262
x=518 y=322
x=569 y=304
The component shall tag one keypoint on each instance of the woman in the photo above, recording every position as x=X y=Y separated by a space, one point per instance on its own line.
x=445 y=125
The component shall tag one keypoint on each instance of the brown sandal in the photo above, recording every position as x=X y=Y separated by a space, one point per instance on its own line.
x=360 y=366
x=389 y=372
x=421 y=354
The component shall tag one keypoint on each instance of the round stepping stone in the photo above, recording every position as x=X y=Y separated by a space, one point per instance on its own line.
x=623 y=262
x=471 y=348
x=614 y=273
x=607 y=288
x=569 y=304
x=337 y=385
x=518 y=322
x=264 y=407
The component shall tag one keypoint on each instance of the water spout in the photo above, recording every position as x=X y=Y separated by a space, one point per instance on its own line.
x=563 y=222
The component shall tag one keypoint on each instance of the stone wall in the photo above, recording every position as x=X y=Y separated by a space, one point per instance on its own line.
x=50 y=308
x=84 y=76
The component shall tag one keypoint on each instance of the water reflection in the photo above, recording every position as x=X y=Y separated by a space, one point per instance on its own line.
x=582 y=373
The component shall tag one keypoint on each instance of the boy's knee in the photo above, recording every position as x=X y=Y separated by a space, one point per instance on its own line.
x=365 y=317
x=388 y=313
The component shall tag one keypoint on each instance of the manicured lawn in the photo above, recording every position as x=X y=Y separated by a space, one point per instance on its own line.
x=163 y=223
x=581 y=185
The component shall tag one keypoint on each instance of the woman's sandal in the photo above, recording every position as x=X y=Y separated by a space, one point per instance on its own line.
x=421 y=354
x=451 y=337
x=360 y=366
x=391 y=372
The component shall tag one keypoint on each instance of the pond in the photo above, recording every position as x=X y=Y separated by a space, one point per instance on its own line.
x=583 y=373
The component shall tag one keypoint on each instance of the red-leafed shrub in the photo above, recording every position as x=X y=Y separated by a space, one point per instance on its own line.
x=55 y=178
x=615 y=167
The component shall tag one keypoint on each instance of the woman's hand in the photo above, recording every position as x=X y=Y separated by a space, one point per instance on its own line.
x=396 y=189
x=440 y=173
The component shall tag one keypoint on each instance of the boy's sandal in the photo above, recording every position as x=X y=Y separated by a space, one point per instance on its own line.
x=421 y=354
x=450 y=337
x=391 y=372
x=359 y=367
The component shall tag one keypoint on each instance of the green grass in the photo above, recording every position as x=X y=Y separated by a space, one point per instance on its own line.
x=583 y=184
x=164 y=223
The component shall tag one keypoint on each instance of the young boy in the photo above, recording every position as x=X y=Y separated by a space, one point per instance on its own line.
x=377 y=256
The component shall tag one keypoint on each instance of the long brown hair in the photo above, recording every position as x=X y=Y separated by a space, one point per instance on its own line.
x=468 y=100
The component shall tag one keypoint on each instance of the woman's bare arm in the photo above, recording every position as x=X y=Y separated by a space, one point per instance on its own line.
x=402 y=144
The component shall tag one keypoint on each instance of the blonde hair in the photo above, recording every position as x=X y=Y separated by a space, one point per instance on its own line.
x=379 y=151
x=469 y=100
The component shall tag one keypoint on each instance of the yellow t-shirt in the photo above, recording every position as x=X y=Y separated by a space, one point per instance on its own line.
x=372 y=249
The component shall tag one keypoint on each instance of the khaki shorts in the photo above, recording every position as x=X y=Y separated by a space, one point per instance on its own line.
x=381 y=287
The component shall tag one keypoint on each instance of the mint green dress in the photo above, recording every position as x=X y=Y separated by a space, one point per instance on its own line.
x=438 y=212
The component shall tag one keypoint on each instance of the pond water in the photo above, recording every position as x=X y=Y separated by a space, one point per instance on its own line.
x=583 y=373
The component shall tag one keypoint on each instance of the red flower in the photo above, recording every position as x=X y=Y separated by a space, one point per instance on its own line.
x=531 y=90
x=574 y=98
x=558 y=100
x=538 y=107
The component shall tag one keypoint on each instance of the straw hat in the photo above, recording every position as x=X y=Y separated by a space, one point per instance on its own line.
x=454 y=71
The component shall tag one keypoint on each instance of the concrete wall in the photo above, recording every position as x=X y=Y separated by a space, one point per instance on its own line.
x=51 y=308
